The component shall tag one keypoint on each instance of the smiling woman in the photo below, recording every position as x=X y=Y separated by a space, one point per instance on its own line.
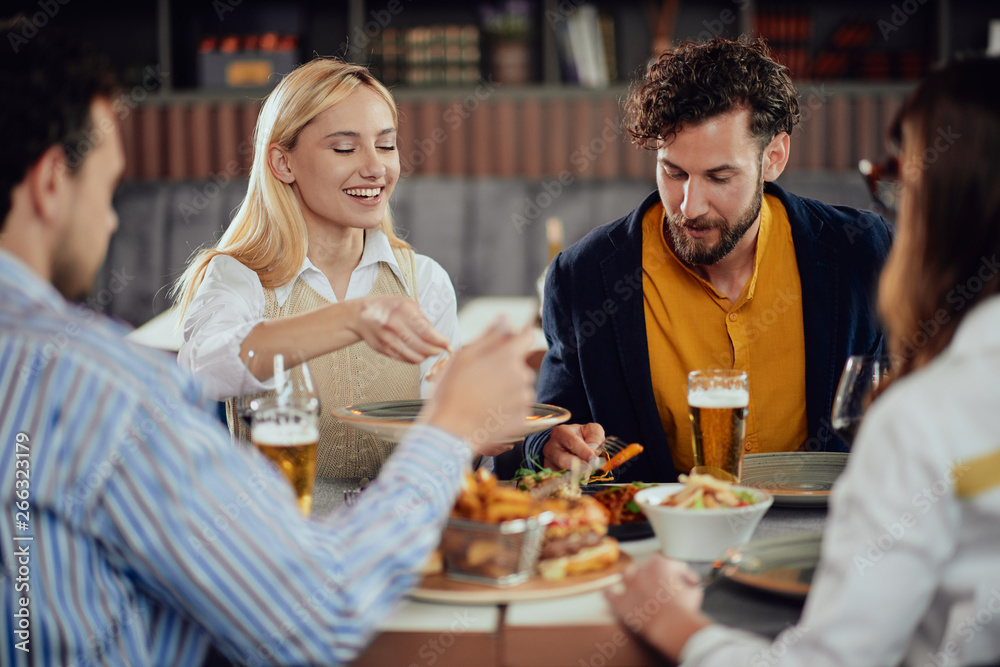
x=311 y=268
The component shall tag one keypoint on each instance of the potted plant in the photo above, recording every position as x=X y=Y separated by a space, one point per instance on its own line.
x=508 y=27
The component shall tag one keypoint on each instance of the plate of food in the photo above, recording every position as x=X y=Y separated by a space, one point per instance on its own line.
x=391 y=420
x=626 y=521
x=794 y=478
x=503 y=545
x=781 y=565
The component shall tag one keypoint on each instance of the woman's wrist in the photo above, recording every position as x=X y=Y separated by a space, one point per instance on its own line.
x=347 y=314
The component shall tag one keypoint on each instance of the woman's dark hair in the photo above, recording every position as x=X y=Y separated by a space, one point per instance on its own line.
x=944 y=260
x=697 y=81
x=48 y=84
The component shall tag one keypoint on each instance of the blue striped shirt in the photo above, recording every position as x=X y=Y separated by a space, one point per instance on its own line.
x=146 y=535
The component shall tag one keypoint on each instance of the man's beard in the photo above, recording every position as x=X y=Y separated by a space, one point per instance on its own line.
x=696 y=251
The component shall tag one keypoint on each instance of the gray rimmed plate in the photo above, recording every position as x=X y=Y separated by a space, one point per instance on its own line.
x=794 y=478
x=780 y=565
x=391 y=419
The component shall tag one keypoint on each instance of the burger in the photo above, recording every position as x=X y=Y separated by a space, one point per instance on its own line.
x=576 y=541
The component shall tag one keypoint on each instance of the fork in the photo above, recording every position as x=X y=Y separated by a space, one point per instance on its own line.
x=610 y=446
x=732 y=559
x=351 y=496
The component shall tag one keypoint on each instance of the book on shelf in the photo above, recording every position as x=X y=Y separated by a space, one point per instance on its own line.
x=428 y=55
x=789 y=35
x=585 y=41
x=855 y=51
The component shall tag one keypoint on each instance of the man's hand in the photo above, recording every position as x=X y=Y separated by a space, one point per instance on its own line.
x=571 y=441
x=396 y=327
x=661 y=602
x=485 y=395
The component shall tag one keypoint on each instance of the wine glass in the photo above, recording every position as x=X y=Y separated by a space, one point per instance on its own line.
x=862 y=375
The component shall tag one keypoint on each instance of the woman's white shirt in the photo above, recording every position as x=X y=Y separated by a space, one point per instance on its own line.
x=230 y=303
x=910 y=573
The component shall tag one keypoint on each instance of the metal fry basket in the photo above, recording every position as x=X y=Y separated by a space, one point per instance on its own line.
x=495 y=554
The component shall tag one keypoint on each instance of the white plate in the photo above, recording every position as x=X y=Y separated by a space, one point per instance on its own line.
x=391 y=420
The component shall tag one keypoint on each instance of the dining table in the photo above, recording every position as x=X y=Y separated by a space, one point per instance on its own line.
x=568 y=631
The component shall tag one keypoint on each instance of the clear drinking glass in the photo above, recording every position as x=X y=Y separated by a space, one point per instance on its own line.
x=862 y=375
x=718 y=403
x=285 y=428
x=247 y=402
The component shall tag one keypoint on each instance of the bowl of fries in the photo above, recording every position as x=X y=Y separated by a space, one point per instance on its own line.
x=495 y=532
x=698 y=519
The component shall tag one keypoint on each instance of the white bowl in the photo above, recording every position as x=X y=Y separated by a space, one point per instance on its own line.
x=700 y=535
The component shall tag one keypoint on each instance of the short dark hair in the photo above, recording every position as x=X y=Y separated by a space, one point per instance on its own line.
x=697 y=81
x=48 y=85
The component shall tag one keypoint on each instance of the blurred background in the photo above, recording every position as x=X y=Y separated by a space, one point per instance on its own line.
x=510 y=136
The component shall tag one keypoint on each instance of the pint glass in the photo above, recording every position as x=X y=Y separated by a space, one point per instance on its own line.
x=717 y=406
x=288 y=434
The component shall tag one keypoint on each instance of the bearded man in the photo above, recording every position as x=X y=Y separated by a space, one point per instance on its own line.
x=719 y=268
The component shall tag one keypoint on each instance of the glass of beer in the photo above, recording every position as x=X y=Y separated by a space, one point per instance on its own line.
x=718 y=402
x=286 y=430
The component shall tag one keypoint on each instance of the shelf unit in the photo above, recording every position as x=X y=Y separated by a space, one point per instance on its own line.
x=536 y=131
x=934 y=29
x=167 y=33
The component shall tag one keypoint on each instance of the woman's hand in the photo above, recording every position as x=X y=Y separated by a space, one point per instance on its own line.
x=486 y=392
x=571 y=441
x=661 y=602
x=396 y=327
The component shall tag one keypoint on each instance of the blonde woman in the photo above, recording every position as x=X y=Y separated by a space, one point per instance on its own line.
x=311 y=268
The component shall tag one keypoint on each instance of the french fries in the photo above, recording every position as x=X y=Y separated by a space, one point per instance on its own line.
x=482 y=499
x=485 y=550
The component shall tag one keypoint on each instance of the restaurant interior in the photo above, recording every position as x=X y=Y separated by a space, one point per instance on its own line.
x=492 y=145
x=511 y=149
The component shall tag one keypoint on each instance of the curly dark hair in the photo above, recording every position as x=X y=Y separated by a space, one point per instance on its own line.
x=697 y=81
x=48 y=84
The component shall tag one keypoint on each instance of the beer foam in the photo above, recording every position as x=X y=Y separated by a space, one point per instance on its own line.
x=286 y=434
x=719 y=398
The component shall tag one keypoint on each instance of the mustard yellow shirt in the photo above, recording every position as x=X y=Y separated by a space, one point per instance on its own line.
x=691 y=326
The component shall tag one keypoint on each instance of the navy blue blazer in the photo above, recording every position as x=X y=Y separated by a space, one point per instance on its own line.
x=597 y=365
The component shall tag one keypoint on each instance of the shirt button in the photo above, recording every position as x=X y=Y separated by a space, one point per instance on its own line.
x=747 y=447
x=733 y=317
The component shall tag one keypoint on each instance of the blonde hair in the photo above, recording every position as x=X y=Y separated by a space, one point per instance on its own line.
x=268 y=233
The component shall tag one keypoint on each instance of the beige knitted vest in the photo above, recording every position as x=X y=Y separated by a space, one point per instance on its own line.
x=354 y=374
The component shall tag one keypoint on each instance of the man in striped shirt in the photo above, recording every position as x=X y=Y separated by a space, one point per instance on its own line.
x=132 y=532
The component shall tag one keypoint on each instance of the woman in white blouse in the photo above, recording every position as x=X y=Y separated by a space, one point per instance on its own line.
x=311 y=268
x=910 y=567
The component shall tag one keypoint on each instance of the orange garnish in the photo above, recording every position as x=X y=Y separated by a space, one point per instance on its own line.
x=621 y=457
